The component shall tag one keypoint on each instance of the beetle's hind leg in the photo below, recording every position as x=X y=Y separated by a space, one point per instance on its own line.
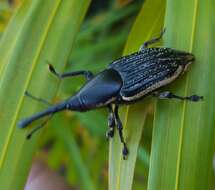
x=170 y=95
x=111 y=123
x=152 y=41
x=120 y=129
x=87 y=74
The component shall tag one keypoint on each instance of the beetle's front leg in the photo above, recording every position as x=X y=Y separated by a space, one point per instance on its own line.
x=87 y=74
x=120 y=128
x=170 y=95
x=111 y=122
x=152 y=41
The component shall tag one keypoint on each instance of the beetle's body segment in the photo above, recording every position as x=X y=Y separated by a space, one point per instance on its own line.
x=147 y=70
x=124 y=81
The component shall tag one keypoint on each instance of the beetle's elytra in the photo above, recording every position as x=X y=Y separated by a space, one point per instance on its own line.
x=126 y=80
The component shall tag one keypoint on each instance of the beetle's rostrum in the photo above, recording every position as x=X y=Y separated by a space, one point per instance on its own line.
x=125 y=81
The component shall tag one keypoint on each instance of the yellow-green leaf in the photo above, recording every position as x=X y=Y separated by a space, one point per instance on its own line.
x=183 y=136
x=43 y=31
x=9 y=38
x=148 y=24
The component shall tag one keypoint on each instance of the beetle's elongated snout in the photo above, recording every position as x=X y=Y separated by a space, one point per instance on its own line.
x=51 y=110
x=72 y=104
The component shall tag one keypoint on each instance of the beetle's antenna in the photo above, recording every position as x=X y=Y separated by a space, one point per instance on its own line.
x=38 y=127
x=33 y=131
x=37 y=99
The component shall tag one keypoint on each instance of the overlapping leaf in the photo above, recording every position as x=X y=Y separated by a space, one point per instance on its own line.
x=183 y=136
x=148 y=24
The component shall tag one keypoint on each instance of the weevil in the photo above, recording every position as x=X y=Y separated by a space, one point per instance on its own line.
x=124 y=81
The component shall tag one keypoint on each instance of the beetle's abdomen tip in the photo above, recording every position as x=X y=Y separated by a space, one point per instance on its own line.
x=190 y=58
x=184 y=57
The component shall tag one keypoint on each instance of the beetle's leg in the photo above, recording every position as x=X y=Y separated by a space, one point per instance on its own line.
x=87 y=74
x=111 y=123
x=152 y=41
x=37 y=99
x=120 y=128
x=170 y=95
x=29 y=135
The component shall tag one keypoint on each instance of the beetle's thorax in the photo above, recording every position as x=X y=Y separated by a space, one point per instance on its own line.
x=98 y=92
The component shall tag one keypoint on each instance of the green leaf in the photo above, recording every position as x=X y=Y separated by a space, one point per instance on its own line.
x=8 y=40
x=183 y=136
x=80 y=168
x=43 y=31
x=148 y=24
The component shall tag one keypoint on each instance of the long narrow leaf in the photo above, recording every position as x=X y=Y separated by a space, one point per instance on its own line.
x=184 y=132
x=9 y=38
x=148 y=24
x=47 y=34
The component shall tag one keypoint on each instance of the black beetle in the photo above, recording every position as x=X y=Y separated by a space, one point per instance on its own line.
x=126 y=80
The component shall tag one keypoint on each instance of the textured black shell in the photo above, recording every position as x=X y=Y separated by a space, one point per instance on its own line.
x=150 y=66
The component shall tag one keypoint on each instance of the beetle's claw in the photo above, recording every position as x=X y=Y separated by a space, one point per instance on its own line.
x=125 y=152
x=28 y=137
x=195 y=98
